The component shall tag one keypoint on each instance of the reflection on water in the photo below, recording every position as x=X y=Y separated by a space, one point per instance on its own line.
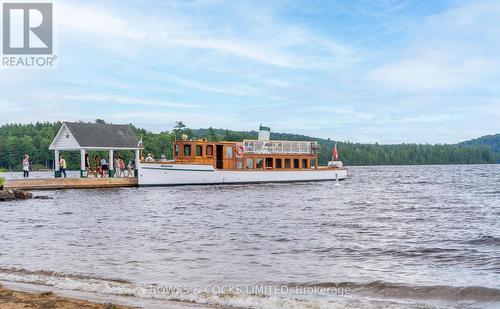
x=406 y=236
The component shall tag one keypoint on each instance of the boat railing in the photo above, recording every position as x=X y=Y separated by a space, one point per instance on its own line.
x=179 y=161
x=280 y=147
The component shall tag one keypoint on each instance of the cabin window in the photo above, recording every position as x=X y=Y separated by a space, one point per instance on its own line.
x=259 y=163
x=187 y=150
x=269 y=162
x=295 y=163
x=287 y=163
x=199 y=150
x=210 y=150
x=176 y=150
x=278 y=163
x=304 y=163
x=229 y=152
x=249 y=163
x=239 y=165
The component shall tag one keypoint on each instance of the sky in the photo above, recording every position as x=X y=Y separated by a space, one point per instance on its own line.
x=387 y=71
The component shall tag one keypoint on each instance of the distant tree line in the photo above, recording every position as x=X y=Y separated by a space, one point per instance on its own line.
x=373 y=154
x=34 y=139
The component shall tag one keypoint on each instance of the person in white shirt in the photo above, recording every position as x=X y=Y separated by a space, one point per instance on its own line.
x=149 y=158
x=26 y=166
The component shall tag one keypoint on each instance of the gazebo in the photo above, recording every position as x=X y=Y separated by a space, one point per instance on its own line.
x=73 y=136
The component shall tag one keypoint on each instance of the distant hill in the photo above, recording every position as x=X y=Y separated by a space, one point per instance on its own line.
x=488 y=140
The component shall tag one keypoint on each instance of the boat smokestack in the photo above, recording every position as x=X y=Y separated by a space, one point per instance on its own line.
x=264 y=133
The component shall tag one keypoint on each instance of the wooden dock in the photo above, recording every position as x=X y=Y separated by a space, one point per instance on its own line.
x=69 y=183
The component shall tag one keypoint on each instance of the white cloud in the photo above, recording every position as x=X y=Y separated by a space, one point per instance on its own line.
x=428 y=73
x=271 y=45
x=279 y=83
x=379 y=8
x=162 y=120
x=125 y=100
x=449 y=51
x=75 y=19
x=238 y=90
x=475 y=17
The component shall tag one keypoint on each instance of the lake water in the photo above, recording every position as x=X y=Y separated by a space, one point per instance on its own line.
x=403 y=236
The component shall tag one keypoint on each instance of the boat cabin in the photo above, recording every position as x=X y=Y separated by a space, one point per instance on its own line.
x=263 y=154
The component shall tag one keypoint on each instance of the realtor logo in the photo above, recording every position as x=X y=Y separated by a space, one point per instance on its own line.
x=27 y=35
x=27 y=28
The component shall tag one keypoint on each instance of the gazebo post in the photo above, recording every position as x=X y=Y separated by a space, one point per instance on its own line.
x=57 y=172
x=111 y=162
x=83 y=169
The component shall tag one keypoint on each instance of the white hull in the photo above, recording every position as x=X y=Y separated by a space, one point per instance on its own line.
x=154 y=174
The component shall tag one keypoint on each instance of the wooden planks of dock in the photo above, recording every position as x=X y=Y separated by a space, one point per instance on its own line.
x=69 y=183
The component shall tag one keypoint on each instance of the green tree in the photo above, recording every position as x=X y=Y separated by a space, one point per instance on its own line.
x=179 y=129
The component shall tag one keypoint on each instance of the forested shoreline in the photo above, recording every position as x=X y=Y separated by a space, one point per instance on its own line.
x=34 y=139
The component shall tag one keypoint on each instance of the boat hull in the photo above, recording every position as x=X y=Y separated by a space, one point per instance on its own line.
x=154 y=174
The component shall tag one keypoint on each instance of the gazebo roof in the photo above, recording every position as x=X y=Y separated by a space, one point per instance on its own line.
x=78 y=135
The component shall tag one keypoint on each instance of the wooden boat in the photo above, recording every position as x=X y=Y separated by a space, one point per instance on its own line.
x=250 y=161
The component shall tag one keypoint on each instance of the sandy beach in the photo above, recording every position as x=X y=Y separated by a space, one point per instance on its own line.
x=10 y=299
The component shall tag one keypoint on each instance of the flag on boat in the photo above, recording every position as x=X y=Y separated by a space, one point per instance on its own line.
x=335 y=153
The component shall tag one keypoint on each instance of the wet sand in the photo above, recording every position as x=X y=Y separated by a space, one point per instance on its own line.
x=14 y=295
x=10 y=299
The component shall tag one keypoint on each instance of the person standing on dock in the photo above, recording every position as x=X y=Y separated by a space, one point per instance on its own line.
x=116 y=165
x=121 y=163
x=87 y=164
x=26 y=166
x=104 y=167
x=130 y=167
x=97 y=162
x=62 y=166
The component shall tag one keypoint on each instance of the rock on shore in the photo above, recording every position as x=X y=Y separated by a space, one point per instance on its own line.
x=12 y=194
